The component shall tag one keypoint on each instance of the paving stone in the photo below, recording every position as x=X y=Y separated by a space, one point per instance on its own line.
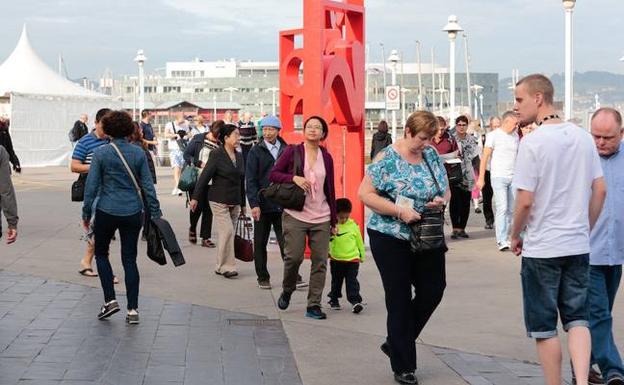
x=49 y=334
x=45 y=371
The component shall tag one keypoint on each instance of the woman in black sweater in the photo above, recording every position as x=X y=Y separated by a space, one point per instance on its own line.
x=226 y=196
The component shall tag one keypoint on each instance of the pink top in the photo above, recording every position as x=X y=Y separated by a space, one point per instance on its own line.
x=315 y=209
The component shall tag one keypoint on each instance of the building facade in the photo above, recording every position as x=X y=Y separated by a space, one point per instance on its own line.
x=254 y=87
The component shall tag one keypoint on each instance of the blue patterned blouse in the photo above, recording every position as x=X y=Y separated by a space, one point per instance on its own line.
x=392 y=175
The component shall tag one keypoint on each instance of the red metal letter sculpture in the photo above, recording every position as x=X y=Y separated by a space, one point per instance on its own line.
x=325 y=77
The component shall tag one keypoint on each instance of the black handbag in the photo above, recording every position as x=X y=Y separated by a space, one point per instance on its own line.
x=428 y=232
x=287 y=195
x=454 y=173
x=78 y=188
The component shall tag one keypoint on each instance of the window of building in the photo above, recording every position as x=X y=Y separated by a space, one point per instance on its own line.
x=199 y=90
x=171 y=89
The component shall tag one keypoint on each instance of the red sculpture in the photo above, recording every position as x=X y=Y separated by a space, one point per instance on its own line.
x=325 y=77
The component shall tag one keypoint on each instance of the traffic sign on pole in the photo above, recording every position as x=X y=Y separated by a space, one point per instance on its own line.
x=393 y=98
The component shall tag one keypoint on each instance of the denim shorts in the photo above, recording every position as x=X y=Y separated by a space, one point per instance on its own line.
x=553 y=287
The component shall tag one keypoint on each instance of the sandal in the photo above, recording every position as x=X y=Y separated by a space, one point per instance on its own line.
x=88 y=269
x=193 y=237
x=208 y=243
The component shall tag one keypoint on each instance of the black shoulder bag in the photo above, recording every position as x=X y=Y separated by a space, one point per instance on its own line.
x=287 y=195
x=428 y=232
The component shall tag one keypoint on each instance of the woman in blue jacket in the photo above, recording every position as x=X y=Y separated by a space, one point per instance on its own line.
x=118 y=206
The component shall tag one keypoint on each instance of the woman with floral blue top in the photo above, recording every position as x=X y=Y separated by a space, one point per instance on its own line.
x=397 y=188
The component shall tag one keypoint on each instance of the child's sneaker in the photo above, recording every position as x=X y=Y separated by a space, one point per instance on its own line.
x=315 y=312
x=358 y=307
x=334 y=304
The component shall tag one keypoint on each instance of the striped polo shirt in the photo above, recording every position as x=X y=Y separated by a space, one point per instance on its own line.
x=85 y=147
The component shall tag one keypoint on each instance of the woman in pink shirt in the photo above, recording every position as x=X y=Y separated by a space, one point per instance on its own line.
x=316 y=221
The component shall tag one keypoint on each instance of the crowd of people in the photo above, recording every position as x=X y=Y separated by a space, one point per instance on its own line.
x=546 y=178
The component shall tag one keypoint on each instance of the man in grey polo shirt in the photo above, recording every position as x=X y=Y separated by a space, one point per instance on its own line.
x=560 y=193
x=607 y=246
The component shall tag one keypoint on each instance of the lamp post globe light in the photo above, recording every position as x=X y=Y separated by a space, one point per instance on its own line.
x=140 y=59
x=394 y=59
x=452 y=28
x=568 y=6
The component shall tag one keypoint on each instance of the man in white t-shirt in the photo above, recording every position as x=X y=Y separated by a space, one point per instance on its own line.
x=501 y=146
x=173 y=131
x=560 y=193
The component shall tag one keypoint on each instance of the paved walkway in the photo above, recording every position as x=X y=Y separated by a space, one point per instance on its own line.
x=197 y=327
x=49 y=335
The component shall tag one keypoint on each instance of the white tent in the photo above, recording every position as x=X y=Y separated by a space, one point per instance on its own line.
x=43 y=106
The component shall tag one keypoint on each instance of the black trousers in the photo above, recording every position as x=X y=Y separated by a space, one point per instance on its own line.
x=203 y=211
x=262 y=231
x=488 y=193
x=459 y=207
x=401 y=272
x=129 y=228
x=345 y=272
x=245 y=148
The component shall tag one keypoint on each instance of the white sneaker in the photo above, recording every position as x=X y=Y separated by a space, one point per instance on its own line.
x=174 y=191
x=503 y=247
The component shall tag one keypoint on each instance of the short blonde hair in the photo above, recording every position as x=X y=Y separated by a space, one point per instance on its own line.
x=539 y=83
x=421 y=121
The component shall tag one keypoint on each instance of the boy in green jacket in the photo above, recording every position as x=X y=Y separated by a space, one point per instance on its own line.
x=346 y=252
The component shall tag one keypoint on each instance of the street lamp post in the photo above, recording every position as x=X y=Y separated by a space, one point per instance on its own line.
x=568 y=6
x=140 y=60
x=273 y=90
x=403 y=115
x=477 y=92
x=214 y=107
x=385 y=82
x=452 y=28
x=420 y=89
x=394 y=59
x=231 y=90
x=433 y=81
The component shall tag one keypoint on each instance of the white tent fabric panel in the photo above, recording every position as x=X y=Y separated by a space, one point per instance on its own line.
x=40 y=125
x=24 y=71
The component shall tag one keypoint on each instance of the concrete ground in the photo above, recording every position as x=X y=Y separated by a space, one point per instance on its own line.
x=476 y=336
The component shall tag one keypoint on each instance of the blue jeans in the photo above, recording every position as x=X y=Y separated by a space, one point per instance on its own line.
x=604 y=283
x=504 y=196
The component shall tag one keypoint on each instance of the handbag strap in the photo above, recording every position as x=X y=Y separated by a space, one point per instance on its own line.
x=435 y=180
x=297 y=161
x=125 y=163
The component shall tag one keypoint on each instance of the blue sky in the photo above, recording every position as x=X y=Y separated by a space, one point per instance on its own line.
x=503 y=34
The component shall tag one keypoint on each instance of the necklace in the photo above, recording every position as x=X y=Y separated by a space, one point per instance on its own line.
x=549 y=117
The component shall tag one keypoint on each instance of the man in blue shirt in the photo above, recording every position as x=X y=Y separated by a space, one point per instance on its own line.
x=80 y=163
x=607 y=246
x=148 y=131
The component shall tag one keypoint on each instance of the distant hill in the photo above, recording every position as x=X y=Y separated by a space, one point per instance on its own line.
x=609 y=86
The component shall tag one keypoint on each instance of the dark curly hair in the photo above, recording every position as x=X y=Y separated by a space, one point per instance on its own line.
x=117 y=124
